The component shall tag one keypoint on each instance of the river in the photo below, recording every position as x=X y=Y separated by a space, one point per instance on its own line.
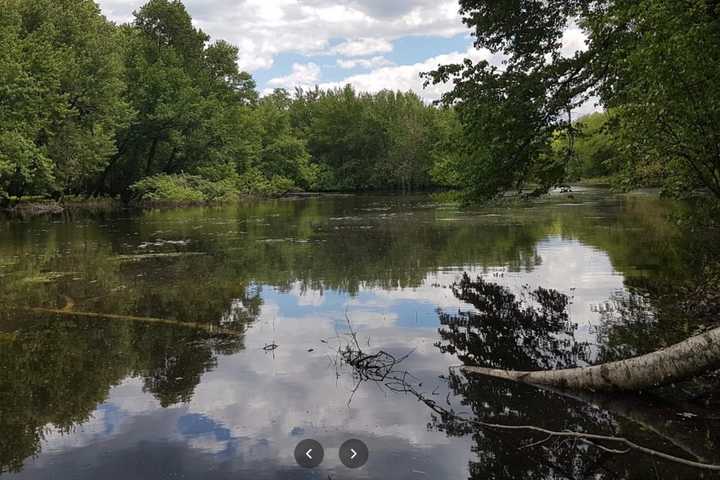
x=207 y=342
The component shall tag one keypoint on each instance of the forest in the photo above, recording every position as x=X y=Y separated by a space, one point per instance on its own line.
x=156 y=110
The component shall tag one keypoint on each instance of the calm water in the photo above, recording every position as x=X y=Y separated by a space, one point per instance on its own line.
x=139 y=345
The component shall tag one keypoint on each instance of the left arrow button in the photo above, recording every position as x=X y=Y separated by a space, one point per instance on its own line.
x=309 y=453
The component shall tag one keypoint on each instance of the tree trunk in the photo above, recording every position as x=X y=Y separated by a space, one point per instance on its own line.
x=681 y=361
x=151 y=156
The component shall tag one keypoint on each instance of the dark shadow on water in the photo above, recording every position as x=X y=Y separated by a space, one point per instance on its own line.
x=533 y=332
x=529 y=332
x=56 y=369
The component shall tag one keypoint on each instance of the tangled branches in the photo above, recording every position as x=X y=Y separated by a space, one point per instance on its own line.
x=382 y=368
x=375 y=367
x=378 y=367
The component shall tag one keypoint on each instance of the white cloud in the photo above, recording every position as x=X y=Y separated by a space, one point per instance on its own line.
x=374 y=62
x=265 y=28
x=120 y=10
x=302 y=75
x=362 y=47
x=573 y=41
x=407 y=77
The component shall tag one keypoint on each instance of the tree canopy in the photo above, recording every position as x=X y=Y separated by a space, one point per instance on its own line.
x=157 y=110
x=654 y=63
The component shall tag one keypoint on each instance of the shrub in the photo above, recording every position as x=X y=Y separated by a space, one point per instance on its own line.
x=253 y=182
x=182 y=189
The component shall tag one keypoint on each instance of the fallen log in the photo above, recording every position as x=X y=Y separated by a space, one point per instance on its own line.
x=681 y=361
x=69 y=312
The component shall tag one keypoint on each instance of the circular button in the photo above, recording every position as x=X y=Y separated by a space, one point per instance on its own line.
x=354 y=453
x=309 y=454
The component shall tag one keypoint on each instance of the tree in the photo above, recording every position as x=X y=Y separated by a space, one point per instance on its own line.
x=62 y=100
x=409 y=127
x=192 y=102
x=283 y=154
x=653 y=62
x=361 y=141
x=597 y=152
x=661 y=76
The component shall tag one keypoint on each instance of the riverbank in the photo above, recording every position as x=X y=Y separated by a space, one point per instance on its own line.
x=33 y=206
x=36 y=206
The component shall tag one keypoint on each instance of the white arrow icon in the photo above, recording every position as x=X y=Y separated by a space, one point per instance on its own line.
x=354 y=454
x=307 y=454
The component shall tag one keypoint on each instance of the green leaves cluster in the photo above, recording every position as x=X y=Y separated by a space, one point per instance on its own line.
x=155 y=110
x=359 y=141
x=61 y=95
x=653 y=63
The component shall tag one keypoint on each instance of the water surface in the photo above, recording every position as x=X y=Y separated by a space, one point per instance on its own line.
x=202 y=343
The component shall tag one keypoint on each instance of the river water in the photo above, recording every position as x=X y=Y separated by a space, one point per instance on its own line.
x=205 y=343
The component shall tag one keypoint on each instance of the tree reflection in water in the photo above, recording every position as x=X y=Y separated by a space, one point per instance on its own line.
x=534 y=332
x=56 y=369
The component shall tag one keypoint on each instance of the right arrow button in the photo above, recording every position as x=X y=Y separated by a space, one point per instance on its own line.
x=354 y=453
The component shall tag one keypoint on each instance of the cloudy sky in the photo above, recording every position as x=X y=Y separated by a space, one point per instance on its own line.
x=372 y=44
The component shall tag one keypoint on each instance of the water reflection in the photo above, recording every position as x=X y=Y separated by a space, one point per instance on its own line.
x=198 y=395
x=502 y=332
x=56 y=370
x=533 y=332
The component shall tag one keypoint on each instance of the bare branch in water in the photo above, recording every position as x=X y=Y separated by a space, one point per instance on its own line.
x=381 y=368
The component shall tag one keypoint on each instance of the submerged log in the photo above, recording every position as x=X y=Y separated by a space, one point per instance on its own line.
x=682 y=361
x=69 y=312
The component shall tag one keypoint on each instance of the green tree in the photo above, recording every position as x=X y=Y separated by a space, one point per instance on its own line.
x=664 y=63
x=62 y=95
x=408 y=127
x=191 y=99
x=360 y=141
x=284 y=155
x=343 y=139
x=597 y=152
x=654 y=62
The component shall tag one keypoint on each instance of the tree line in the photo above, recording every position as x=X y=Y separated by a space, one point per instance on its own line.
x=156 y=110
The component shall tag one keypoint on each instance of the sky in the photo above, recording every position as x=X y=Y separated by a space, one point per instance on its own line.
x=371 y=44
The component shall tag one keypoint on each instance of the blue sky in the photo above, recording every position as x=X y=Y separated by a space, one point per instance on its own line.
x=371 y=44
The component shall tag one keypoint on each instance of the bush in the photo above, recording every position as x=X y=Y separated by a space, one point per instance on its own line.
x=182 y=189
x=253 y=182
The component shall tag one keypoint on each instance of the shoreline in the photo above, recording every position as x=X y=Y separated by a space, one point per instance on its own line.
x=34 y=206
x=31 y=207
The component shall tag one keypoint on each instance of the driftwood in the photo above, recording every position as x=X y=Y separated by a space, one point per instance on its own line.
x=381 y=368
x=69 y=312
x=684 y=360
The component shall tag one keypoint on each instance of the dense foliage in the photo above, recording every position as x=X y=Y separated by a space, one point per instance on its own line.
x=154 y=110
x=653 y=63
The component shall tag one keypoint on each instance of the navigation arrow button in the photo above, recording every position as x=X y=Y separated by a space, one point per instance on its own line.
x=354 y=453
x=309 y=454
